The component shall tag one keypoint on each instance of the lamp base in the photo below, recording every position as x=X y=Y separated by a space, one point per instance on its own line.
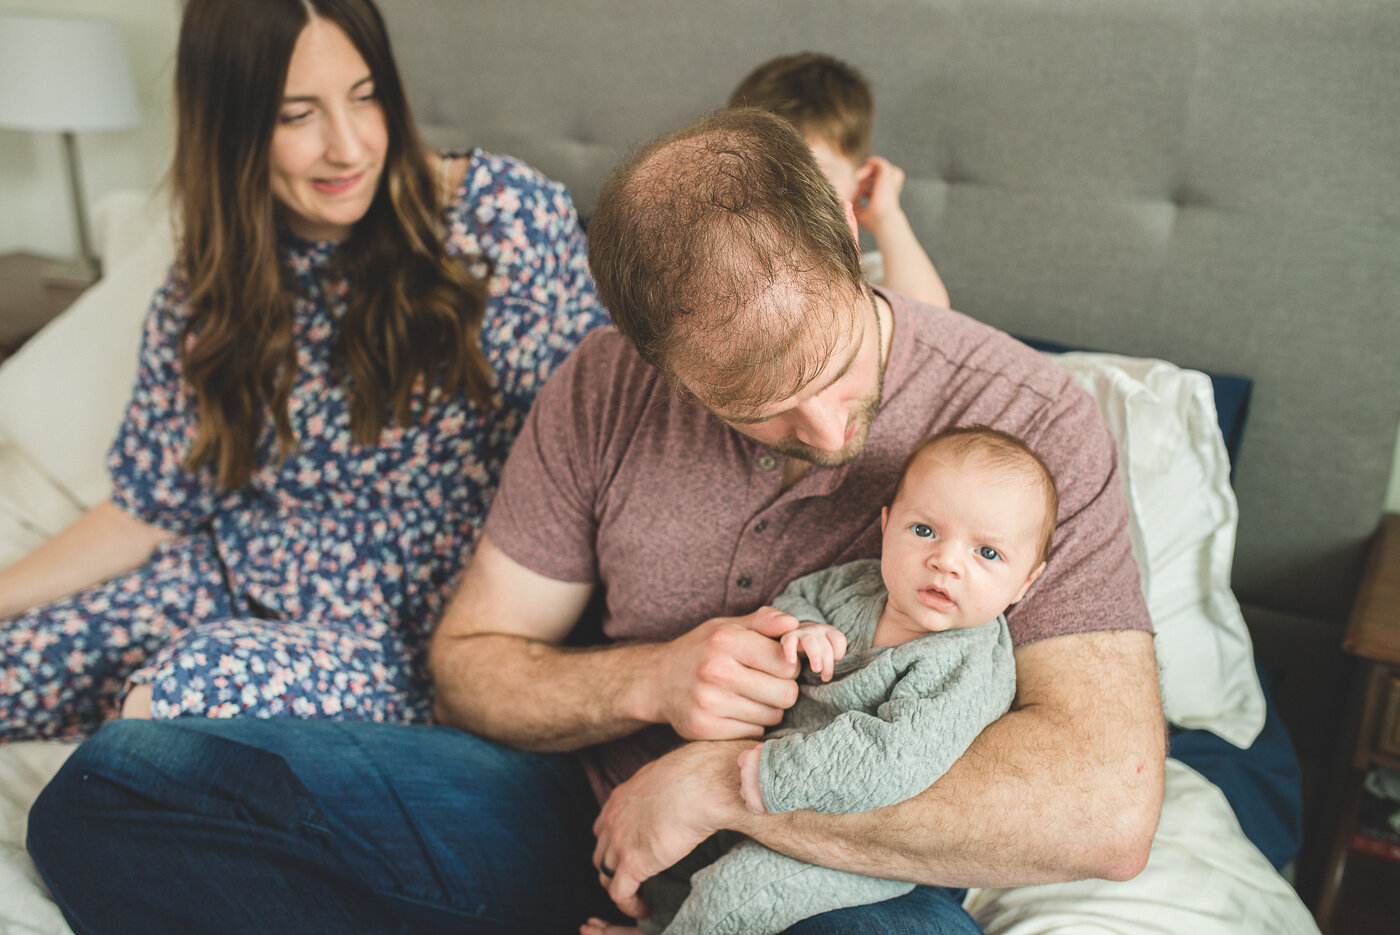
x=77 y=273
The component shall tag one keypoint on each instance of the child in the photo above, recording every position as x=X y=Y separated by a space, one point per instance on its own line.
x=910 y=659
x=831 y=105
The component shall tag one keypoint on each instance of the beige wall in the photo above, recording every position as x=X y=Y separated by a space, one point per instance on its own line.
x=35 y=211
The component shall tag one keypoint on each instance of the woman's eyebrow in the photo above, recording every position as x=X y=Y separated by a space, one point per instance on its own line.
x=312 y=98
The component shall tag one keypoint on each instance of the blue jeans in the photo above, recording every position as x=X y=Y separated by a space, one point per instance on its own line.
x=341 y=827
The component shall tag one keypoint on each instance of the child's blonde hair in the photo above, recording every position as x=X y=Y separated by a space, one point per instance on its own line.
x=820 y=95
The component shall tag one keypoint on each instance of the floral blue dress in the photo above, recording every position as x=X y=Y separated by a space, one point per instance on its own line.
x=311 y=591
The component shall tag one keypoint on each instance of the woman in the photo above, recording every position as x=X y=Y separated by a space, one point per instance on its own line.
x=328 y=386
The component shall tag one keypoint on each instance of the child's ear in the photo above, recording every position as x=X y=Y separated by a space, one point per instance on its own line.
x=884 y=518
x=850 y=210
x=1029 y=581
x=865 y=172
x=865 y=178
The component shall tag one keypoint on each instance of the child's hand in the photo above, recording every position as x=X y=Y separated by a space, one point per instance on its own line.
x=880 y=183
x=748 y=780
x=823 y=645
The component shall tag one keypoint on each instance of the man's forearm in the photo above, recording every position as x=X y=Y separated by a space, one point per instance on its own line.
x=575 y=697
x=1042 y=795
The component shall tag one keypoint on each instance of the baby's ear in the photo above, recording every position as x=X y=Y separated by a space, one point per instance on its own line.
x=1030 y=580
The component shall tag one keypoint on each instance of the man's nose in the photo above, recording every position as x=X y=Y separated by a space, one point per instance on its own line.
x=822 y=425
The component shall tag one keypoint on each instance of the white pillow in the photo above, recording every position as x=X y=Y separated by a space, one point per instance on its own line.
x=1176 y=474
x=63 y=395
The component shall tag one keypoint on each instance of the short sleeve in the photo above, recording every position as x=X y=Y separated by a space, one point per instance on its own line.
x=544 y=514
x=523 y=234
x=146 y=461
x=1091 y=582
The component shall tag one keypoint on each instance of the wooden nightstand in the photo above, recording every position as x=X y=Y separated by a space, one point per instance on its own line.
x=1360 y=892
x=27 y=303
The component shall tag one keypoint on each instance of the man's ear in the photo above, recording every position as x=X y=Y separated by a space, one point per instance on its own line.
x=851 y=221
x=1029 y=581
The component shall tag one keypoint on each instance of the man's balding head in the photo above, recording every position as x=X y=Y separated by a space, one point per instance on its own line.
x=724 y=257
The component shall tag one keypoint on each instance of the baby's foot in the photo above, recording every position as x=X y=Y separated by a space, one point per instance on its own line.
x=599 y=927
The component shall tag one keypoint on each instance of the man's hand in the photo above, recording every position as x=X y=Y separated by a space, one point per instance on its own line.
x=880 y=183
x=659 y=815
x=821 y=643
x=724 y=680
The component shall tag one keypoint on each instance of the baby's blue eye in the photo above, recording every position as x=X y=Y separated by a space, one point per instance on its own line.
x=922 y=530
x=989 y=553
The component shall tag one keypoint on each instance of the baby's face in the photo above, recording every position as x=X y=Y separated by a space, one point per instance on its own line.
x=961 y=543
x=839 y=170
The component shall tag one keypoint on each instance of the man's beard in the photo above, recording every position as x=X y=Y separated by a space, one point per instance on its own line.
x=863 y=416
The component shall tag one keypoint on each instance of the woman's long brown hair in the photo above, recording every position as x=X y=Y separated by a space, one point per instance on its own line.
x=414 y=313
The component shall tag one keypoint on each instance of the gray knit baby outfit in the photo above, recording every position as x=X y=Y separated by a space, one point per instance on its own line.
x=890 y=722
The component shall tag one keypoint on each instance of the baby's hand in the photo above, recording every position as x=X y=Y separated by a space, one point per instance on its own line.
x=880 y=183
x=823 y=645
x=748 y=780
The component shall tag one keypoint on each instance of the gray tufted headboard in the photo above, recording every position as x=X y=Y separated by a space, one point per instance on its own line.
x=1214 y=182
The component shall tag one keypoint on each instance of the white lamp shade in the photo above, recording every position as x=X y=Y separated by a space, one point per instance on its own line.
x=64 y=73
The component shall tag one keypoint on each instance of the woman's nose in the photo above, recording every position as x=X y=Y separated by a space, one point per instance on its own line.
x=342 y=140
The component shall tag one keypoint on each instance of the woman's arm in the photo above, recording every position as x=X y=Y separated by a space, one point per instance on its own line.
x=103 y=542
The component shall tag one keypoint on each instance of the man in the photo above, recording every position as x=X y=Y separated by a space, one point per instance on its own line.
x=744 y=433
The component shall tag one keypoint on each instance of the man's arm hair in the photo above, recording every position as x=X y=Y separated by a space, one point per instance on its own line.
x=499 y=672
x=1067 y=785
x=956 y=684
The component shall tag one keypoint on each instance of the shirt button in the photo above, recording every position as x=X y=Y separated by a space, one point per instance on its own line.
x=767 y=461
x=760 y=525
x=744 y=581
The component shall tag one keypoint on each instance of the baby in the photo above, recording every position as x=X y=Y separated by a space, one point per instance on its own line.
x=831 y=105
x=909 y=658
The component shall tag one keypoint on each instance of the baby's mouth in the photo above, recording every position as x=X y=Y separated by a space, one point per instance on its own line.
x=936 y=598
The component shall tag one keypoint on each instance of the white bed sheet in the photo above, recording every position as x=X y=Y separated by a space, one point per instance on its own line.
x=25 y=906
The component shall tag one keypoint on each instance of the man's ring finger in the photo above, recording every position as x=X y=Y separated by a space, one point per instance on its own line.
x=605 y=870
